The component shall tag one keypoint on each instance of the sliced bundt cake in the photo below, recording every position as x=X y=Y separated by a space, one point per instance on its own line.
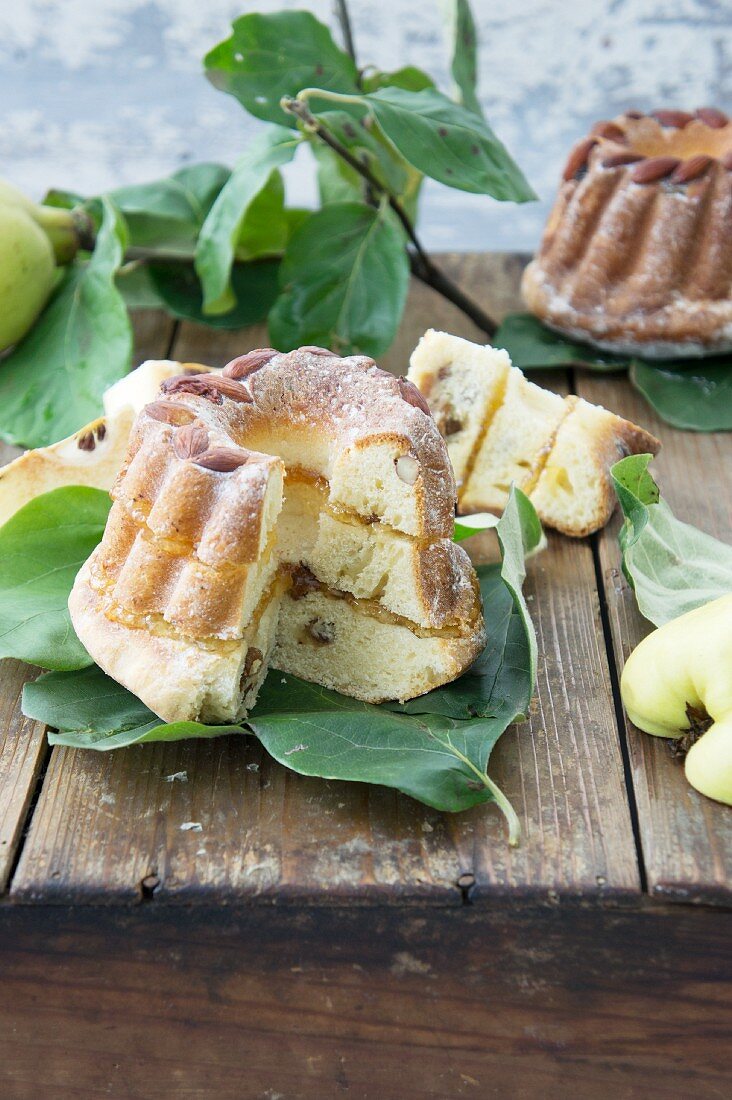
x=294 y=511
x=557 y=450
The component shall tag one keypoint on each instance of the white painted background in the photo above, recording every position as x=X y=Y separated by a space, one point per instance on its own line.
x=95 y=93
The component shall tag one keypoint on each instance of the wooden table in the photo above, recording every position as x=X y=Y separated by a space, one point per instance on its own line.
x=318 y=938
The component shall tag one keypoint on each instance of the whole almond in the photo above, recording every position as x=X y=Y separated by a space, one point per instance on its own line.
x=409 y=393
x=675 y=119
x=712 y=117
x=241 y=368
x=313 y=349
x=691 y=169
x=222 y=460
x=190 y=441
x=169 y=412
x=617 y=160
x=654 y=168
x=407 y=469
x=634 y=114
x=578 y=158
x=86 y=442
x=610 y=131
x=212 y=387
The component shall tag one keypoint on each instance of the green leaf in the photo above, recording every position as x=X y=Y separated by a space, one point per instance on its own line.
x=42 y=548
x=271 y=56
x=532 y=346
x=435 y=748
x=136 y=287
x=295 y=216
x=465 y=526
x=264 y=230
x=448 y=143
x=168 y=214
x=65 y=200
x=337 y=181
x=672 y=566
x=344 y=281
x=255 y=287
x=52 y=383
x=90 y=710
x=464 y=61
x=223 y=228
x=693 y=394
x=410 y=78
x=350 y=129
x=314 y=731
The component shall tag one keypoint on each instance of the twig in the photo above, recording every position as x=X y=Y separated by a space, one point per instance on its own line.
x=421 y=264
x=344 y=18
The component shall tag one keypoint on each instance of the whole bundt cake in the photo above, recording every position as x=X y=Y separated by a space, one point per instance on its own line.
x=293 y=511
x=637 y=253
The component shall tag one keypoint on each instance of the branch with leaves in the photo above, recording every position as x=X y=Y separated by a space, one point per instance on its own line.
x=223 y=247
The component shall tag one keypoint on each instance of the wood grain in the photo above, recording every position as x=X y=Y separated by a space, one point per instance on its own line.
x=23 y=748
x=373 y=1004
x=22 y=754
x=686 y=838
x=112 y=827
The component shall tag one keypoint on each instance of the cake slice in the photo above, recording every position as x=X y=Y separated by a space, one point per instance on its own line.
x=514 y=445
x=557 y=450
x=462 y=395
x=574 y=492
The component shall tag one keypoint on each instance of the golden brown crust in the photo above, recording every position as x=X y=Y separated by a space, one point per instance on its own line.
x=345 y=406
x=447 y=584
x=637 y=252
x=177 y=678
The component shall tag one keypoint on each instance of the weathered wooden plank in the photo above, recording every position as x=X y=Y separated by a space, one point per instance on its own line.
x=22 y=754
x=107 y=824
x=23 y=749
x=686 y=838
x=306 y=1004
x=112 y=827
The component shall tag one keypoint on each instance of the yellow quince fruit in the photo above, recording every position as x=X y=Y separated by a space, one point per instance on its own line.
x=680 y=677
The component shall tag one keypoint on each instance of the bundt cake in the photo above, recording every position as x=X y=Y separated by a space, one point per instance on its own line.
x=637 y=254
x=295 y=511
x=502 y=429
